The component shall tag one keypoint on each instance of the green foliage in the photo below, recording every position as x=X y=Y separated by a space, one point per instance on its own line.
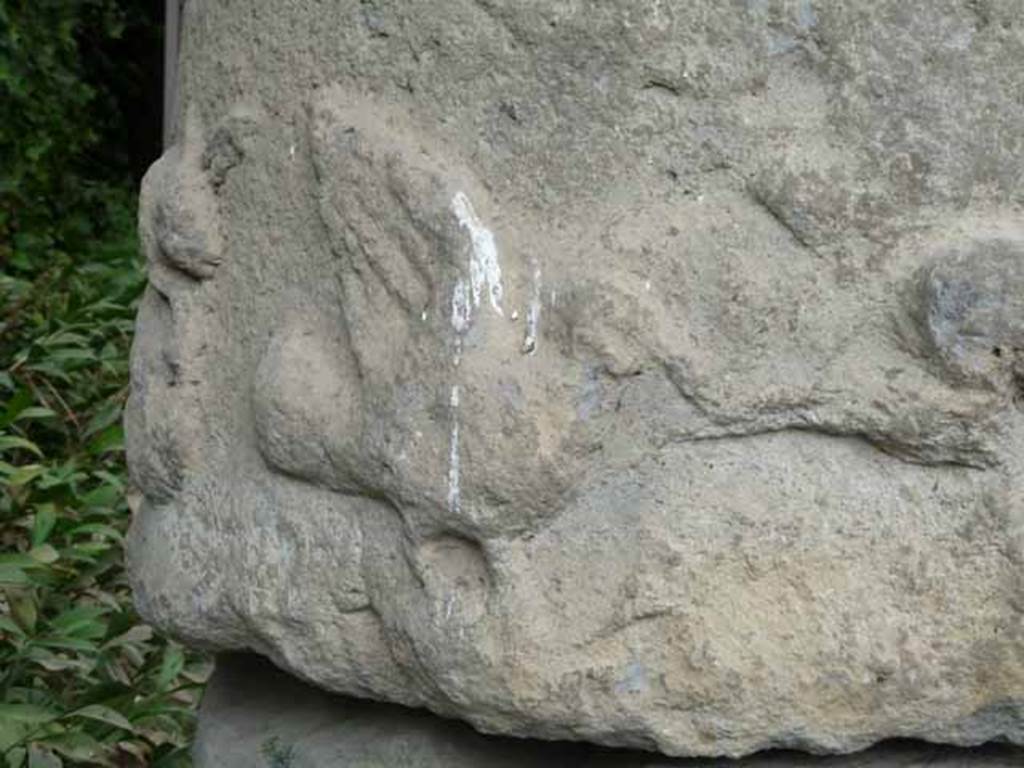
x=49 y=126
x=82 y=681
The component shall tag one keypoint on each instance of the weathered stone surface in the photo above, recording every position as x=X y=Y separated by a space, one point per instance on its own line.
x=254 y=716
x=645 y=373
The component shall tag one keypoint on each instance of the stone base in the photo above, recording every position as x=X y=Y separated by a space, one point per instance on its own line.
x=255 y=716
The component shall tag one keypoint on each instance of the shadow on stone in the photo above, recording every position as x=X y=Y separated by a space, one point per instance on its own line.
x=255 y=716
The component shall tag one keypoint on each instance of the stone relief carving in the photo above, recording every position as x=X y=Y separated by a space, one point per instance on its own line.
x=671 y=403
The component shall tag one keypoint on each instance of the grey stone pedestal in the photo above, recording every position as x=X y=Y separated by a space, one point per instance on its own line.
x=255 y=716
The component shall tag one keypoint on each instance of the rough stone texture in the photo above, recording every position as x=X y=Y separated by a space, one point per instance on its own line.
x=254 y=716
x=645 y=373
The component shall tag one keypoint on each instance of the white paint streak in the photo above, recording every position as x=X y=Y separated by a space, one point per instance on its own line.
x=484 y=273
x=454 y=490
x=533 y=314
x=462 y=312
x=462 y=315
x=484 y=269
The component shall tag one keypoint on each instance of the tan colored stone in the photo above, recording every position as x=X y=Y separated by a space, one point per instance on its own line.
x=642 y=373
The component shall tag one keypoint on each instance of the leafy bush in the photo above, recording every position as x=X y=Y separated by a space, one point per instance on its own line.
x=80 y=678
x=82 y=681
x=49 y=126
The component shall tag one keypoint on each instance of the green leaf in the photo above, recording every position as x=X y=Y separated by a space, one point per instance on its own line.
x=7 y=624
x=75 y=746
x=21 y=400
x=17 y=570
x=22 y=604
x=53 y=662
x=12 y=575
x=15 y=756
x=68 y=644
x=66 y=337
x=36 y=413
x=110 y=439
x=89 y=551
x=45 y=554
x=18 y=559
x=140 y=633
x=26 y=713
x=50 y=371
x=24 y=475
x=109 y=479
x=106 y=715
x=43 y=523
x=109 y=413
x=98 y=529
x=171 y=666
x=65 y=474
x=104 y=496
x=12 y=442
x=82 y=621
x=71 y=355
